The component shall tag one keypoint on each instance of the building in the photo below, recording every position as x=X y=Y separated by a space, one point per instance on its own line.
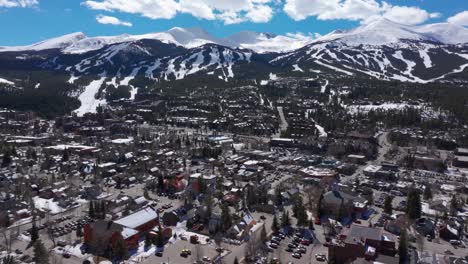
x=362 y=242
x=461 y=161
x=357 y=159
x=322 y=175
x=461 y=152
x=372 y=170
x=282 y=142
x=101 y=235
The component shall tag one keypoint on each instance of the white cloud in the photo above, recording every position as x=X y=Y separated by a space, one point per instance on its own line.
x=229 y=11
x=408 y=15
x=459 y=19
x=109 y=20
x=304 y=37
x=18 y=3
x=356 y=10
x=153 y=9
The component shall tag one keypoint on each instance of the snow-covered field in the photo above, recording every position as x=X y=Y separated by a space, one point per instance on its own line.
x=354 y=109
x=6 y=81
x=88 y=101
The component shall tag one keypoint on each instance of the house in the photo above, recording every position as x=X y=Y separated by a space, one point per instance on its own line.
x=362 y=242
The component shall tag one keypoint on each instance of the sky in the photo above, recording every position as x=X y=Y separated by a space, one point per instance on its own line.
x=28 y=21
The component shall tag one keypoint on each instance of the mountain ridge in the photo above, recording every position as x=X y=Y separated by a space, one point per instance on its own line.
x=378 y=32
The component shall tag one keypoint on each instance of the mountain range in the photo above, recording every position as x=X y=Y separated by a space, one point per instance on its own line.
x=381 y=49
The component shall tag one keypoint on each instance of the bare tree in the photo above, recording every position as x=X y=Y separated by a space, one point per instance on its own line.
x=420 y=242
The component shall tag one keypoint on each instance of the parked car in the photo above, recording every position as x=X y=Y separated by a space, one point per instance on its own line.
x=320 y=257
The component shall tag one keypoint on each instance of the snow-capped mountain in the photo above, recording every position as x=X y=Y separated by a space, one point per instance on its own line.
x=384 y=32
x=78 y=43
x=381 y=49
x=61 y=42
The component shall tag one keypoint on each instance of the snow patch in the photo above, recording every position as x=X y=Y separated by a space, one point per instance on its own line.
x=89 y=103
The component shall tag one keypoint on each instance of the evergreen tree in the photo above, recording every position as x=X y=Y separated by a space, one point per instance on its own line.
x=388 y=208
x=285 y=221
x=454 y=205
x=9 y=260
x=319 y=206
x=91 y=212
x=263 y=234
x=34 y=233
x=226 y=219
x=148 y=242
x=120 y=249
x=342 y=213
x=41 y=255
x=66 y=155
x=403 y=246
x=146 y=194
x=413 y=208
x=236 y=261
x=275 y=225
x=201 y=185
x=6 y=158
x=427 y=193
x=160 y=183
x=79 y=232
x=160 y=238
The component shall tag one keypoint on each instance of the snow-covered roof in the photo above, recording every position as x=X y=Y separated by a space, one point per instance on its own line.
x=138 y=218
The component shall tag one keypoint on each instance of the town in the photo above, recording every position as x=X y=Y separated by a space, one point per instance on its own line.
x=291 y=171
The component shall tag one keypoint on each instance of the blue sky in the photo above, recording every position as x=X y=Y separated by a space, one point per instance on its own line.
x=28 y=21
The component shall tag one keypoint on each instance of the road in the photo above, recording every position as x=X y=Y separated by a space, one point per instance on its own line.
x=284 y=123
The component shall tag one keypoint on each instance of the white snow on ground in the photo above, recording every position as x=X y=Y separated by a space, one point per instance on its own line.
x=263 y=82
x=72 y=79
x=410 y=64
x=353 y=109
x=141 y=254
x=324 y=87
x=88 y=101
x=72 y=250
x=409 y=69
x=321 y=131
x=133 y=92
x=21 y=222
x=297 y=68
x=333 y=68
x=127 y=79
x=152 y=68
x=273 y=76
x=426 y=58
x=180 y=230
x=47 y=205
x=6 y=81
